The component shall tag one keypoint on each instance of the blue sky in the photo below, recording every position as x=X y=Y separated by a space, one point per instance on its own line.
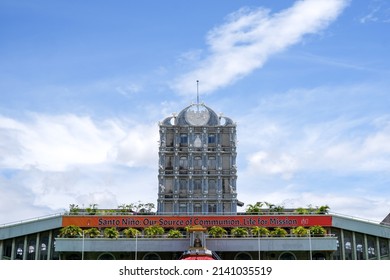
x=83 y=85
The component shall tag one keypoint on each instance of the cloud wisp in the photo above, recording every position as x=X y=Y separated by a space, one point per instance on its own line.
x=327 y=133
x=250 y=36
x=50 y=161
x=318 y=146
x=55 y=143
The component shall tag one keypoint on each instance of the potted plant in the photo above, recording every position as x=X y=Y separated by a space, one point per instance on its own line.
x=92 y=232
x=260 y=231
x=74 y=209
x=131 y=232
x=302 y=211
x=71 y=231
x=153 y=231
x=175 y=233
x=300 y=231
x=92 y=209
x=239 y=232
x=111 y=232
x=217 y=231
x=254 y=209
x=280 y=232
x=324 y=209
x=317 y=231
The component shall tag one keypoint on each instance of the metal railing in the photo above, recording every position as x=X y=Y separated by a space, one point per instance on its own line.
x=228 y=236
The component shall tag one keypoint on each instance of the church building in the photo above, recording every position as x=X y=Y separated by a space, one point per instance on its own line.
x=197 y=163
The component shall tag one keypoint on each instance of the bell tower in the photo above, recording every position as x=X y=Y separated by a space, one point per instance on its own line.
x=197 y=163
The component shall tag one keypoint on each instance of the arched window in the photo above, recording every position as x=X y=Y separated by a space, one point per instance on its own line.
x=212 y=187
x=106 y=256
x=212 y=163
x=183 y=163
x=183 y=139
x=319 y=256
x=243 y=256
x=197 y=162
x=287 y=256
x=151 y=256
x=197 y=187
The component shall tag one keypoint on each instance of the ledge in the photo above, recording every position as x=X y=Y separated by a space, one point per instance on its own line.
x=182 y=244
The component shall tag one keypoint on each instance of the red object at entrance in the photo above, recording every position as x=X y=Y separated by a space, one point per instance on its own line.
x=207 y=258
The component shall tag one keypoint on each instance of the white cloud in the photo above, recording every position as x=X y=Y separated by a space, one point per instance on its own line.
x=327 y=132
x=251 y=36
x=336 y=145
x=58 y=142
x=268 y=163
x=371 y=207
x=318 y=146
x=50 y=161
x=129 y=89
x=379 y=11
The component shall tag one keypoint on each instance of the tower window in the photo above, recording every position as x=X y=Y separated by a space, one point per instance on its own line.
x=211 y=162
x=183 y=163
x=169 y=141
x=197 y=162
x=197 y=187
x=183 y=208
x=212 y=187
x=168 y=162
x=225 y=140
x=211 y=139
x=183 y=139
x=182 y=188
x=212 y=208
x=225 y=161
x=197 y=208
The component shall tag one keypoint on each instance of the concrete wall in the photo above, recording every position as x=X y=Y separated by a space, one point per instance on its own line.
x=182 y=244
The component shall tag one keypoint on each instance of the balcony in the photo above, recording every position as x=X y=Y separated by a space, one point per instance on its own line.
x=226 y=244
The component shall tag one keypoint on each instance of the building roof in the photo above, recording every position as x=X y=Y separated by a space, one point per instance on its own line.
x=197 y=115
x=386 y=221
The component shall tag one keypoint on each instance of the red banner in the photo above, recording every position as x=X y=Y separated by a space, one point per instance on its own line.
x=139 y=221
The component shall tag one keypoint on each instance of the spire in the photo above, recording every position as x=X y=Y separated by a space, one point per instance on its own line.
x=197 y=92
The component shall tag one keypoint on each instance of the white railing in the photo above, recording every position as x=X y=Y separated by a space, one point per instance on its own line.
x=355 y=218
x=31 y=220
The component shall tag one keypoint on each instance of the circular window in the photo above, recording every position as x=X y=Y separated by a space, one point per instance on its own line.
x=319 y=256
x=106 y=256
x=287 y=256
x=151 y=256
x=243 y=256
x=74 y=257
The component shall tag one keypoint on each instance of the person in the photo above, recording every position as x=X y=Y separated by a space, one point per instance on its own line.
x=197 y=242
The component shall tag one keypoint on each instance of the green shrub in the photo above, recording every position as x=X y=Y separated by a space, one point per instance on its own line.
x=217 y=231
x=153 y=231
x=111 y=232
x=175 y=233
x=131 y=232
x=71 y=231
x=260 y=231
x=92 y=232
x=239 y=232
x=317 y=231
x=300 y=231
x=280 y=232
